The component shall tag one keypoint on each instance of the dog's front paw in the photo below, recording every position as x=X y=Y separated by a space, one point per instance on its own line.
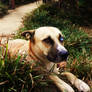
x=64 y=87
x=79 y=84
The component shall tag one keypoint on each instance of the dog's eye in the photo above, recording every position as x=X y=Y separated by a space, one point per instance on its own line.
x=61 y=39
x=48 y=41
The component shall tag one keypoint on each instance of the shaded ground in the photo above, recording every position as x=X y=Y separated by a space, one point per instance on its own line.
x=11 y=22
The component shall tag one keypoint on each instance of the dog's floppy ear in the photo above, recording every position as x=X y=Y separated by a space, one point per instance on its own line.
x=28 y=34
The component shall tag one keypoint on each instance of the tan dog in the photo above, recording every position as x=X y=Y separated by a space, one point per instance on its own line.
x=45 y=45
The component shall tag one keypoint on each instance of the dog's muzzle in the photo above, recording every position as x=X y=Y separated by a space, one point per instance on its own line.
x=57 y=56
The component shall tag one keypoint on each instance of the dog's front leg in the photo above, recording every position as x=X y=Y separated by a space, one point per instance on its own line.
x=61 y=84
x=79 y=84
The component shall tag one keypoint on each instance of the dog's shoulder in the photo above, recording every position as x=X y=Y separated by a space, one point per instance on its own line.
x=18 y=46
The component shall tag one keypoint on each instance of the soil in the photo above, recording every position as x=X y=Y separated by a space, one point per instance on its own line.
x=12 y=22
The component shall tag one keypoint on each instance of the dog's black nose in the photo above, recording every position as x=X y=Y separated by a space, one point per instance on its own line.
x=63 y=54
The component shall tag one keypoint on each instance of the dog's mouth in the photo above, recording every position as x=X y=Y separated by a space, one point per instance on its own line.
x=62 y=64
x=57 y=58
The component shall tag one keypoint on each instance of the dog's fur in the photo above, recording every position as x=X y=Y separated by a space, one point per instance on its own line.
x=45 y=44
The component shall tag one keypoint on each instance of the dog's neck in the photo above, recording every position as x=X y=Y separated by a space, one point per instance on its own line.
x=32 y=54
x=47 y=64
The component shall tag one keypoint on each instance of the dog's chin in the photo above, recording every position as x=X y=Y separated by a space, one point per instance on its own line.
x=56 y=59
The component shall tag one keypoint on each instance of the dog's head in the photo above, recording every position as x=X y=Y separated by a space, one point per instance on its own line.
x=47 y=44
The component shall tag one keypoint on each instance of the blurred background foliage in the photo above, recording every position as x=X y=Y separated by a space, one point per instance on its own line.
x=78 y=11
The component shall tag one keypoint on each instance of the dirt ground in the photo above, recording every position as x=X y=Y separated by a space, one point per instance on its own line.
x=11 y=22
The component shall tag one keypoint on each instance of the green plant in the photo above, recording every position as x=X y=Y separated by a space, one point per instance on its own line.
x=45 y=15
x=14 y=76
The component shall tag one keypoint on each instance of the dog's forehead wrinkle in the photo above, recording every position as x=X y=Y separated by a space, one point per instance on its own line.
x=47 y=31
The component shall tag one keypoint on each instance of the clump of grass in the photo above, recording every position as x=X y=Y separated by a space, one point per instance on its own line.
x=14 y=76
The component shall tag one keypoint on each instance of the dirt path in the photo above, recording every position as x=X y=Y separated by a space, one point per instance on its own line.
x=11 y=22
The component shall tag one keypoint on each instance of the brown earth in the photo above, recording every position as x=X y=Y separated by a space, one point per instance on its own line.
x=11 y=22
